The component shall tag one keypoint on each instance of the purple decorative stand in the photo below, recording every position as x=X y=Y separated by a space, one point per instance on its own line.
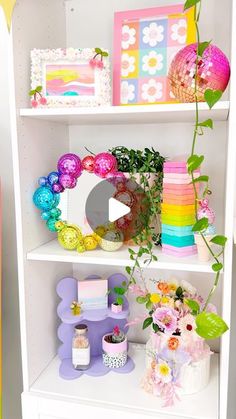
x=99 y=323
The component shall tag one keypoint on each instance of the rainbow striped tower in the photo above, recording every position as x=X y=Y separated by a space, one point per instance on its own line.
x=178 y=215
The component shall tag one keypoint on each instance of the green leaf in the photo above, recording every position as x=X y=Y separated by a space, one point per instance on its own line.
x=119 y=290
x=149 y=305
x=207 y=123
x=216 y=267
x=131 y=252
x=201 y=224
x=98 y=50
x=119 y=301
x=194 y=162
x=32 y=92
x=212 y=97
x=124 y=284
x=142 y=300
x=210 y=325
x=155 y=327
x=194 y=306
x=105 y=54
x=202 y=178
x=202 y=46
x=179 y=292
x=220 y=240
x=39 y=88
x=128 y=270
x=190 y=3
x=147 y=322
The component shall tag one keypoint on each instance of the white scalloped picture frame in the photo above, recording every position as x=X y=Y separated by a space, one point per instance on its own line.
x=45 y=62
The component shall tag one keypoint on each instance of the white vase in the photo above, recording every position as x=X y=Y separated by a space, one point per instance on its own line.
x=194 y=376
x=204 y=254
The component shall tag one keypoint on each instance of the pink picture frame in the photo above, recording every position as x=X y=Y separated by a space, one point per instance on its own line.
x=131 y=41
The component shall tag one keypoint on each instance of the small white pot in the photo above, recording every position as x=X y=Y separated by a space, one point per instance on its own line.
x=116 y=308
x=204 y=254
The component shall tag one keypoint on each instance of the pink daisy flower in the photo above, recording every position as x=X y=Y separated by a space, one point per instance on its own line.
x=166 y=318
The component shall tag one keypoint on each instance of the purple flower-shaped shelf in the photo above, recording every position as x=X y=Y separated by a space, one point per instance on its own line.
x=99 y=323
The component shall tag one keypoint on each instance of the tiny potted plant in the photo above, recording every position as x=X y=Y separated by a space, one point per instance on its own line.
x=118 y=292
x=115 y=347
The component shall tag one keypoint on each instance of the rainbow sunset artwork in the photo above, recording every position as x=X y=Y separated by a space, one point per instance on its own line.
x=70 y=80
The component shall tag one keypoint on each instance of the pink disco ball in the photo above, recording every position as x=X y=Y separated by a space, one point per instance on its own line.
x=104 y=163
x=213 y=72
x=67 y=181
x=70 y=164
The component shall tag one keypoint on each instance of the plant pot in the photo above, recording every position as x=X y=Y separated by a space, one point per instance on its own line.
x=203 y=252
x=116 y=308
x=193 y=376
x=114 y=355
x=156 y=225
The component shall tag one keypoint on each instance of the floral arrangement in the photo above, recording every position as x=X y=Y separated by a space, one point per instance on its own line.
x=176 y=342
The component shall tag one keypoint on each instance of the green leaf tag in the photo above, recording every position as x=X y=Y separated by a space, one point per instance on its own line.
x=210 y=325
x=201 y=224
x=212 y=97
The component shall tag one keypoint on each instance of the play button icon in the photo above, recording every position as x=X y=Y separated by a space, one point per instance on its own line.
x=122 y=203
x=117 y=210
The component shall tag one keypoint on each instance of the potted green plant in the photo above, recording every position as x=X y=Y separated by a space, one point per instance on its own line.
x=146 y=167
x=118 y=293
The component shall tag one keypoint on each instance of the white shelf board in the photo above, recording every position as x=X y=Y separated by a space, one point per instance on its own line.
x=53 y=252
x=142 y=114
x=111 y=391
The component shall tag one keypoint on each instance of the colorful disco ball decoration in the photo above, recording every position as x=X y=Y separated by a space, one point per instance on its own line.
x=213 y=72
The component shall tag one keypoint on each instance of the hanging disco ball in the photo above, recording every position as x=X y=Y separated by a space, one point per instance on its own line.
x=213 y=72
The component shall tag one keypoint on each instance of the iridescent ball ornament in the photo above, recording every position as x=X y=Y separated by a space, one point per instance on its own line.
x=67 y=181
x=53 y=178
x=112 y=241
x=104 y=163
x=47 y=197
x=44 y=199
x=88 y=164
x=69 y=235
x=213 y=72
x=70 y=164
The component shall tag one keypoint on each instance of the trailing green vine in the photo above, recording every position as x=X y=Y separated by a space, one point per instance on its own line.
x=144 y=162
x=209 y=325
x=204 y=320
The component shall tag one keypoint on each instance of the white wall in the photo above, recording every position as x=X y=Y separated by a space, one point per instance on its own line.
x=12 y=382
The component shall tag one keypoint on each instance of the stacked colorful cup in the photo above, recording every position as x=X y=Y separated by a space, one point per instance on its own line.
x=178 y=210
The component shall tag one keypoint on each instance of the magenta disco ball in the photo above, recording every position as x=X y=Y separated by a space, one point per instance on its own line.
x=213 y=72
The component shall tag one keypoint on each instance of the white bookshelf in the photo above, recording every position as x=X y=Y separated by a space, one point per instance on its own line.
x=53 y=252
x=133 y=402
x=152 y=114
x=39 y=137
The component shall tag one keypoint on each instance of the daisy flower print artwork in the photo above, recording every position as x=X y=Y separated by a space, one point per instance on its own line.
x=144 y=45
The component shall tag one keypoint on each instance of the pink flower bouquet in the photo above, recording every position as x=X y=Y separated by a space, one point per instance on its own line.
x=177 y=358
